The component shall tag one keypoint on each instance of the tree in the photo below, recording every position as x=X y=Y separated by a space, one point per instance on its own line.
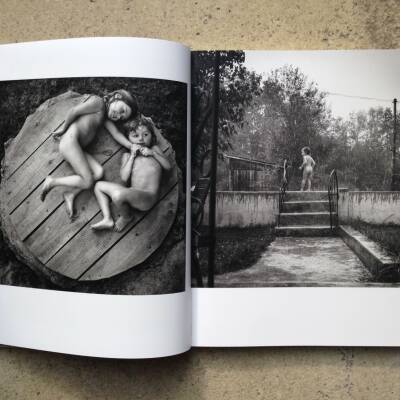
x=255 y=139
x=360 y=149
x=301 y=108
x=237 y=88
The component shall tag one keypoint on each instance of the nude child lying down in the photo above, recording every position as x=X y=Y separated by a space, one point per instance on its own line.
x=143 y=167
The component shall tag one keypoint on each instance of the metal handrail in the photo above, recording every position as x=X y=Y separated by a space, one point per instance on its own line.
x=283 y=188
x=333 y=194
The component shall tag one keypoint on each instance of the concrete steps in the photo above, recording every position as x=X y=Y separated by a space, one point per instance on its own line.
x=378 y=261
x=306 y=206
x=305 y=214
x=304 y=218
x=306 y=196
x=305 y=231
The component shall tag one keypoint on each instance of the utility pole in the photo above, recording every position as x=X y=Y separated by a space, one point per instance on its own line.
x=395 y=176
x=213 y=180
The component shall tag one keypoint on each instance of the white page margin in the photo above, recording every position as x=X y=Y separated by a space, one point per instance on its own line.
x=295 y=317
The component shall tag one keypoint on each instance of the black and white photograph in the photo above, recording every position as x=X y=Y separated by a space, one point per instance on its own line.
x=92 y=195
x=295 y=169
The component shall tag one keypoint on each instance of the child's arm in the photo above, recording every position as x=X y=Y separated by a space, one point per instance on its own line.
x=313 y=163
x=118 y=136
x=157 y=153
x=93 y=105
x=304 y=163
x=127 y=165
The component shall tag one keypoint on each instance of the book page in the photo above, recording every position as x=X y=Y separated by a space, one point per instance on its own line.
x=93 y=197
x=296 y=210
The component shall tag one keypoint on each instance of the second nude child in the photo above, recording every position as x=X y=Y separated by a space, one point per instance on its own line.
x=141 y=170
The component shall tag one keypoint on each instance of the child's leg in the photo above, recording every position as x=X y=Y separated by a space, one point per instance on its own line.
x=137 y=199
x=303 y=182
x=309 y=182
x=125 y=215
x=97 y=173
x=73 y=153
x=104 y=191
x=120 y=195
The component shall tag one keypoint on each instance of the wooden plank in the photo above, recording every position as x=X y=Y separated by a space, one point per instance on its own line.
x=32 y=173
x=140 y=242
x=87 y=246
x=33 y=211
x=38 y=127
x=58 y=229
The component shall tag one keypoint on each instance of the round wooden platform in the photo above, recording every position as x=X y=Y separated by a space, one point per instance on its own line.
x=41 y=233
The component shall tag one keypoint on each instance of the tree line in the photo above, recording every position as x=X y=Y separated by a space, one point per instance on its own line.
x=271 y=118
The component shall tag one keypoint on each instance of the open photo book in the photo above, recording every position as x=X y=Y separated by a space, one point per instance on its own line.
x=154 y=198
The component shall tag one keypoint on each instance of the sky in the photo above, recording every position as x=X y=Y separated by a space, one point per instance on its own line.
x=364 y=73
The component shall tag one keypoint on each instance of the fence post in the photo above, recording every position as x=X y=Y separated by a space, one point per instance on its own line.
x=230 y=176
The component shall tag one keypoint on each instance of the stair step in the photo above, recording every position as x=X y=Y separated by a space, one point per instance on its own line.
x=305 y=230
x=372 y=254
x=305 y=196
x=307 y=218
x=306 y=206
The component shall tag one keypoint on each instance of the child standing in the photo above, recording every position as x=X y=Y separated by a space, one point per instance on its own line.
x=78 y=131
x=143 y=167
x=307 y=167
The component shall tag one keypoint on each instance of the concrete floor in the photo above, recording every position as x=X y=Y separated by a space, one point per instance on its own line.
x=301 y=261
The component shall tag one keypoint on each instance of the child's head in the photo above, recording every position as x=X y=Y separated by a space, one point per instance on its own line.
x=306 y=151
x=142 y=132
x=121 y=105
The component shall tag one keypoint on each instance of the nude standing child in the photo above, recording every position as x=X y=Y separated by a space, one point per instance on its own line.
x=307 y=167
x=81 y=125
x=142 y=168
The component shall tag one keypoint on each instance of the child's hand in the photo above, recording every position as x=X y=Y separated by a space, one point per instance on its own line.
x=135 y=149
x=146 y=152
x=57 y=134
x=300 y=168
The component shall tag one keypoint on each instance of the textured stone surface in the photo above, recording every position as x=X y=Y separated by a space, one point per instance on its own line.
x=331 y=373
x=294 y=261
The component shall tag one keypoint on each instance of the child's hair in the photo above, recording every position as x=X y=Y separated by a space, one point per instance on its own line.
x=306 y=150
x=142 y=121
x=126 y=97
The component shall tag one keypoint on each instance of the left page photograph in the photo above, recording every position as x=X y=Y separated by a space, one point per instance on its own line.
x=93 y=197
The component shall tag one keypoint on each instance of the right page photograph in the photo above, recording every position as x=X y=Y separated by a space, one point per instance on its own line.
x=295 y=169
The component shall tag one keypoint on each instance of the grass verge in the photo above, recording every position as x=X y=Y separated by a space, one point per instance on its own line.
x=237 y=248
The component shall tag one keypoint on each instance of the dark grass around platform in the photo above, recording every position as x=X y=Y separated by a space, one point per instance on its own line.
x=237 y=248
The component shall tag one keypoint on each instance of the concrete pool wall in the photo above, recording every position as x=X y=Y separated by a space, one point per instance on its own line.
x=377 y=208
x=245 y=209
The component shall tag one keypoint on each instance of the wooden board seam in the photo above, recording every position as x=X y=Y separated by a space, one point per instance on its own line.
x=128 y=230
x=62 y=201
x=40 y=145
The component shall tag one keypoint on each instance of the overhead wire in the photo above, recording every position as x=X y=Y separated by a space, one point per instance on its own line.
x=357 y=97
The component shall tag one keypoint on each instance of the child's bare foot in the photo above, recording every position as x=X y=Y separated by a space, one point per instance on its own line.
x=46 y=187
x=69 y=198
x=122 y=222
x=103 y=224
